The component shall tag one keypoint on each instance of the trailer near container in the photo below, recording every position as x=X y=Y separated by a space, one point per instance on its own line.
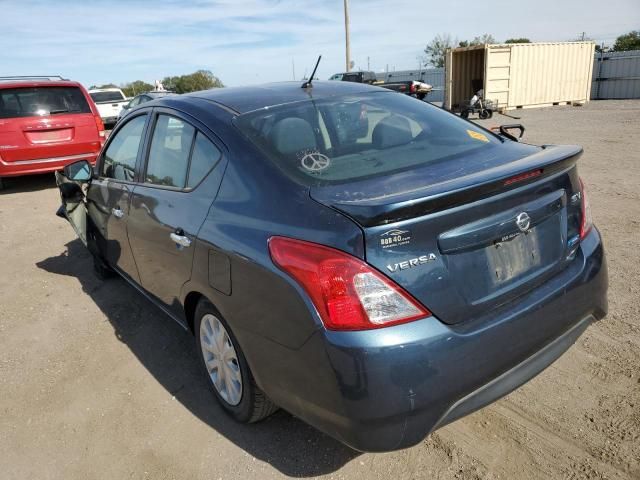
x=520 y=75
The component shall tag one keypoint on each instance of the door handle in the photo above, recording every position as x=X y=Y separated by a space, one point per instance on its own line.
x=181 y=240
x=117 y=212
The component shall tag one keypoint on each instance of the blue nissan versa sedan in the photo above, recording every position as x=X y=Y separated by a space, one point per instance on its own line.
x=373 y=264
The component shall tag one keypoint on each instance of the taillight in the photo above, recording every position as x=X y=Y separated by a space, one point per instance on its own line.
x=412 y=88
x=587 y=219
x=99 y=125
x=348 y=293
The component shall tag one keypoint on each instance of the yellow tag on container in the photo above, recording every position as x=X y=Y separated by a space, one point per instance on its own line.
x=478 y=136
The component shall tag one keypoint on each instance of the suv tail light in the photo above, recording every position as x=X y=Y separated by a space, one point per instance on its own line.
x=587 y=219
x=99 y=126
x=412 y=88
x=348 y=293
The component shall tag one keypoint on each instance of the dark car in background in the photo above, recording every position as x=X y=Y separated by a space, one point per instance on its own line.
x=142 y=98
x=45 y=124
x=372 y=264
x=413 y=88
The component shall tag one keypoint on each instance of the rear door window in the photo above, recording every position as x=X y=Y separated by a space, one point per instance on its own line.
x=119 y=160
x=204 y=157
x=41 y=101
x=180 y=156
x=169 y=154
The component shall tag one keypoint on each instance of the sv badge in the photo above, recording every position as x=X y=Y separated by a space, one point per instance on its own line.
x=412 y=262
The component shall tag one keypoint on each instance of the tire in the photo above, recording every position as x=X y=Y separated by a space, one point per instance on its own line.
x=246 y=404
x=490 y=112
x=484 y=114
x=464 y=113
x=2 y=184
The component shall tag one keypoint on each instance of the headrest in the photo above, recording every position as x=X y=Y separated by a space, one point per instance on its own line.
x=391 y=131
x=290 y=135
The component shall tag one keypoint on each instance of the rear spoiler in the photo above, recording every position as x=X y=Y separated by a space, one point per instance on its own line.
x=386 y=208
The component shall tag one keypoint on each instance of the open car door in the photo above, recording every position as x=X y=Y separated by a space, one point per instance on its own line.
x=72 y=183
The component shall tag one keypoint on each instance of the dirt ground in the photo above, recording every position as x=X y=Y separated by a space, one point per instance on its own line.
x=95 y=382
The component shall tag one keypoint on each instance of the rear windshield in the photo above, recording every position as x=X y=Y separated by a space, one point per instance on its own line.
x=352 y=77
x=107 y=96
x=38 y=101
x=347 y=138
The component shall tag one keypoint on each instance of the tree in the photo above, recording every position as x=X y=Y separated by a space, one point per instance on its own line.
x=483 y=39
x=135 y=88
x=437 y=48
x=628 y=41
x=200 y=80
x=517 y=40
x=106 y=85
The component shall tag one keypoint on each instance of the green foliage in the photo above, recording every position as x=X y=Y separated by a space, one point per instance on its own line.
x=200 y=80
x=135 y=88
x=628 y=41
x=517 y=40
x=437 y=48
x=106 y=85
x=482 y=39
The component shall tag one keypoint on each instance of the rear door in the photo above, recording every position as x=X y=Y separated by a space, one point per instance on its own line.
x=46 y=122
x=171 y=202
x=109 y=197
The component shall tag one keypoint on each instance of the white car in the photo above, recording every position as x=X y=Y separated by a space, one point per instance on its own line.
x=109 y=102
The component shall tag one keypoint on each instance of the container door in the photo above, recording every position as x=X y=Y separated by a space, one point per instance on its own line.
x=448 y=65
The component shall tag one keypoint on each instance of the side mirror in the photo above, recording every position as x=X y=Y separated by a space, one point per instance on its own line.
x=504 y=130
x=80 y=171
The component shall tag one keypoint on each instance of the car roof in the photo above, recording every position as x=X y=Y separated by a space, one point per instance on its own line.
x=37 y=83
x=254 y=97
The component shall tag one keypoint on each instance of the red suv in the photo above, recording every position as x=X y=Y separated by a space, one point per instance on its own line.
x=46 y=123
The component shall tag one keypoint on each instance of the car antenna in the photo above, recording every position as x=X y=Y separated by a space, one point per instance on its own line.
x=308 y=84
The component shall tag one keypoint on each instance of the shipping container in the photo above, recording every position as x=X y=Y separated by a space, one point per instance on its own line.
x=520 y=75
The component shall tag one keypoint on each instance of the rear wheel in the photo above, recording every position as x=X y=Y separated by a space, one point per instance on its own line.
x=227 y=369
x=2 y=184
x=484 y=114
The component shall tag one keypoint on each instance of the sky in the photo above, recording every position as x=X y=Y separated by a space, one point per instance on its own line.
x=254 y=41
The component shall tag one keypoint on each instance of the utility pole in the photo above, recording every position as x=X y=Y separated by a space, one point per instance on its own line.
x=368 y=67
x=293 y=68
x=346 y=35
x=582 y=37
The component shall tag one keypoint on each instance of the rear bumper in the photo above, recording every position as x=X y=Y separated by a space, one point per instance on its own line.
x=388 y=389
x=42 y=165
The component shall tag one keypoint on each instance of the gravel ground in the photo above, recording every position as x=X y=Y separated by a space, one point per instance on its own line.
x=96 y=383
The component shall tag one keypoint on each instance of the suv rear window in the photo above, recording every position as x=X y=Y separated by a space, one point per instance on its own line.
x=38 y=101
x=348 y=138
x=99 y=97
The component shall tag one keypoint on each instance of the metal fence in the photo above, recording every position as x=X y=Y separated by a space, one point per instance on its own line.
x=616 y=75
x=432 y=76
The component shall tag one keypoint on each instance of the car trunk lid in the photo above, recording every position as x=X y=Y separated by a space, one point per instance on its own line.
x=473 y=234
